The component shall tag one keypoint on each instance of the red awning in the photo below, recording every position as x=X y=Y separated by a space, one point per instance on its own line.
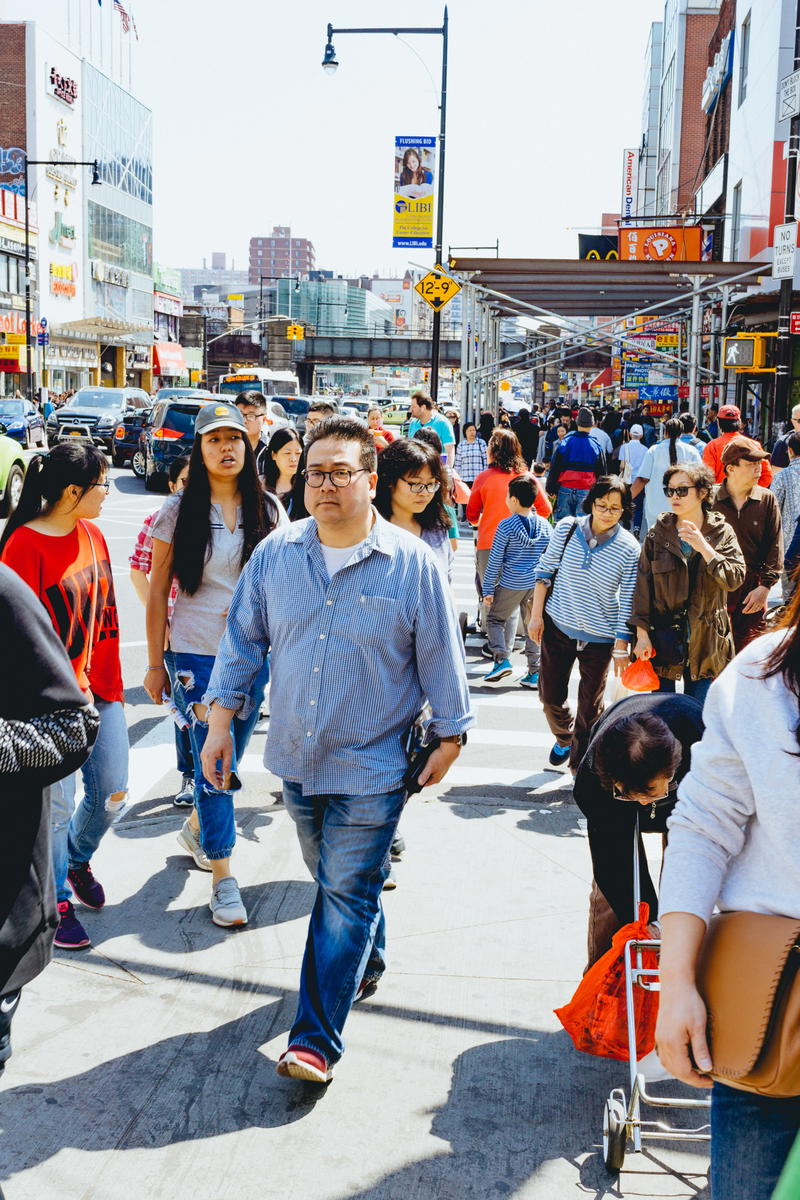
x=168 y=359
x=602 y=379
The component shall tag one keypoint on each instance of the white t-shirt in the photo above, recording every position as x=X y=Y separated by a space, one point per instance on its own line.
x=337 y=557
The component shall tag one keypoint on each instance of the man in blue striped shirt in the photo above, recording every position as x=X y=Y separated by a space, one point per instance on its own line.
x=361 y=631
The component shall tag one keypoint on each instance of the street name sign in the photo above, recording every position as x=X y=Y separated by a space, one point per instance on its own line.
x=794 y=323
x=437 y=290
x=789 y=97
x=783 y=251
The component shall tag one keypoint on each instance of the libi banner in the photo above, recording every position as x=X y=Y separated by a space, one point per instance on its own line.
x=414 y=171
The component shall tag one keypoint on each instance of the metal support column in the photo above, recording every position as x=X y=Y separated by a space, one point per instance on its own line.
x=783 y=351
x=695 y=334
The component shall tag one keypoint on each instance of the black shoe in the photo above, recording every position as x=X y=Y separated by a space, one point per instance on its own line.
x=398 y=848
x=487 y=651
x=558 y=755
x=367 y=988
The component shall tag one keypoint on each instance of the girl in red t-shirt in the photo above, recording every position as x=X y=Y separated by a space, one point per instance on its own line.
x=52 y=543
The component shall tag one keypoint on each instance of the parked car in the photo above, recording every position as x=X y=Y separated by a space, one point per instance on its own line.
x=93 y=414
x=167 y=434
x=361 y=407
x=23 y=422
x=296 y=408
x=190 y=393
x=127 y=446
x=12 y=472
x=276 y=416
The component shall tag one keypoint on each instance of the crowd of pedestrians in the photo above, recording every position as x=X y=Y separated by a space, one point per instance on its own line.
x=321 y=564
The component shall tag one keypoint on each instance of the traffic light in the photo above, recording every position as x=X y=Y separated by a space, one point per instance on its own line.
x=751 y=352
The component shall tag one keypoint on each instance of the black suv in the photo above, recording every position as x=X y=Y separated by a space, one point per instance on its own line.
x=168 y=433
x=93 y=414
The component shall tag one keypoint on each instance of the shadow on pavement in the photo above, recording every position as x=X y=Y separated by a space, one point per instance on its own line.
x=513 y=1107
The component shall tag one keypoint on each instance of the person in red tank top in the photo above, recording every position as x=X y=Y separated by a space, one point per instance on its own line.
x=51 y=542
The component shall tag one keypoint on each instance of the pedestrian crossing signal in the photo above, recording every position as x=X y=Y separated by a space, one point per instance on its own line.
x=749 y=352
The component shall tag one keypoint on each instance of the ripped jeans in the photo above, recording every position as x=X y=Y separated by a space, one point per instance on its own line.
x=77 y=832
x=214 y=806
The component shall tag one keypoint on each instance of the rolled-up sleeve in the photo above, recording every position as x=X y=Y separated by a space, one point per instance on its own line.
x=245 y=642
x=439 y=650
x=709 y=824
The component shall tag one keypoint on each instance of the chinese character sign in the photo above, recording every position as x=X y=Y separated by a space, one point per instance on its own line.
x=414 y=170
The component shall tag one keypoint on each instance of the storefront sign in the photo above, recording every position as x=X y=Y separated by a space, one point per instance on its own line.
x=678 y=244
x=12 y=322
x=630 y=183
x=62 y=87
x=104 y=273
x=170 y=305
x=9 y=246
x=61 y=234
x=63 y=280
x=414 y=168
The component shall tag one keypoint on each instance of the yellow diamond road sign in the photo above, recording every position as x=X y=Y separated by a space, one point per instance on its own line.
x=437 y=290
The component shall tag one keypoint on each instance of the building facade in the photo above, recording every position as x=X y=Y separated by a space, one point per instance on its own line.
x=280 y=255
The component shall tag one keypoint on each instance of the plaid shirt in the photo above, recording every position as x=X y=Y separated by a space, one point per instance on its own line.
x=142 y=558
x=353 y=657
x=471 y=459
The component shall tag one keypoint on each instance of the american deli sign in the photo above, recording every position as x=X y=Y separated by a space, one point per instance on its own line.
x=630 y=182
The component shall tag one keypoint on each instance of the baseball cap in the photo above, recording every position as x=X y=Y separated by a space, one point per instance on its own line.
x=219 y=416
x=637 y=431
x=739 y=448
x=729 y=412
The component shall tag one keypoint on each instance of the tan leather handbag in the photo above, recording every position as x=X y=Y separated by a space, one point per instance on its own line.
x=748 y=976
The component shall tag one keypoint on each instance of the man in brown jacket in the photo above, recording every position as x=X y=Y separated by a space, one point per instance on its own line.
x=754 y=516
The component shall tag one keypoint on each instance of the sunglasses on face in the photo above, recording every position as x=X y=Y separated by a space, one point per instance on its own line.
x=682 y=490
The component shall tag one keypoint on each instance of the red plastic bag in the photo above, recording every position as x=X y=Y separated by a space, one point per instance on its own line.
x=639 y=676
x=596 y=1017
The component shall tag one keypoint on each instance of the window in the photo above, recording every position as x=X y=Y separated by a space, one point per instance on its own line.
x=119 y=240
x=744 y=57
x=736 y=222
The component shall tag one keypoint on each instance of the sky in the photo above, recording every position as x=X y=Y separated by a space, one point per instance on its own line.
x=250 y=132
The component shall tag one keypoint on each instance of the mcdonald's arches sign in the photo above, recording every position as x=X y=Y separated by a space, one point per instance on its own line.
x=599 y=248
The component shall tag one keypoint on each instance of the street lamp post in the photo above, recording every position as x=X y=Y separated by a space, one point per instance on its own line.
x=37 y=162
x=330 y=64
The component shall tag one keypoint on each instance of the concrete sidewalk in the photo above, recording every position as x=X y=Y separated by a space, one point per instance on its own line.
x=145 y=1066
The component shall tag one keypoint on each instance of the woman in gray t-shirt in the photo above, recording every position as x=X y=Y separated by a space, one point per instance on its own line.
x=203 y=538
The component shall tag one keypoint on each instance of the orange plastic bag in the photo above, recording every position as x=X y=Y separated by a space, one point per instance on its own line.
x=596 y=1016
x=639 y=676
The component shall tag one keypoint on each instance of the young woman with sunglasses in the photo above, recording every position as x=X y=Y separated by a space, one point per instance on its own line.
x=203 y=537
x=52 y=543
x=689 y=563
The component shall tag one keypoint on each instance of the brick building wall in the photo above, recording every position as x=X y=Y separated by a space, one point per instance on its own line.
x=700 y=28
x=12 y=89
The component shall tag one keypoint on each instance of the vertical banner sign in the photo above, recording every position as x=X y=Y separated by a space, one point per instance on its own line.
x=630 y=183
x=414 y=171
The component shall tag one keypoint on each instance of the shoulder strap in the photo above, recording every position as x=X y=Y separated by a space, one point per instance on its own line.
x=570 y=532
x=95 y=590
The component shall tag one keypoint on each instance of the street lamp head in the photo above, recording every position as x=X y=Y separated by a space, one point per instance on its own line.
x=96 y=172
x=329 y=63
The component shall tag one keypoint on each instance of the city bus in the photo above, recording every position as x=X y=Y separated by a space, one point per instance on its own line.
x=259 y=379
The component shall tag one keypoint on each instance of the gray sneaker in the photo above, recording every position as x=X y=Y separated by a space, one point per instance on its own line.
x=190 y=842
x=226 y=903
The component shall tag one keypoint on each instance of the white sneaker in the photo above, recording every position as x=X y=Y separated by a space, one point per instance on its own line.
x=226 y=903
x=190 y=842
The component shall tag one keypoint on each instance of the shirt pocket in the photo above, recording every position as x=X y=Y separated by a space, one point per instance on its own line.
x=378 y=620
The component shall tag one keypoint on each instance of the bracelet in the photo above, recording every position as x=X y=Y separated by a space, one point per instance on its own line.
x=161 y=667
x=621 y=654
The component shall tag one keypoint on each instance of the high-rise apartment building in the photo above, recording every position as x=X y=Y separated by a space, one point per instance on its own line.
x=280 y=255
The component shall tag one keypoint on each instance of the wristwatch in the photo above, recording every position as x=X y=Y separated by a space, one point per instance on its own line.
x=458 y=739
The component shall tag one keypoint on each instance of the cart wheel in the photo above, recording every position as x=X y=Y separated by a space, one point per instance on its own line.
x=615 y=1136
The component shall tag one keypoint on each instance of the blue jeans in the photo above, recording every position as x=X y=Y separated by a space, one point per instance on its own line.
x=214 y=805
x=751 y=1137
x=183 y=742
x=345 y=842
x=691 y=687
x=77 y=832
x=569 y=502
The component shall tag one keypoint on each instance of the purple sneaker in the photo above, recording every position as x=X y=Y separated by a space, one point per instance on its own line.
x=86 y=887
x=70 y=934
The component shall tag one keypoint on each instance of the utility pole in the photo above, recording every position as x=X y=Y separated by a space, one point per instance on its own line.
x=436 y=332
x=205 y=352
x=783 y=353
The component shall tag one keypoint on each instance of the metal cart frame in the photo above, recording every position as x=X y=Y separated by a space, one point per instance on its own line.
x=622 y=1119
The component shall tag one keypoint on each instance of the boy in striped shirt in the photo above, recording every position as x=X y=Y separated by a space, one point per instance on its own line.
x=509 y=579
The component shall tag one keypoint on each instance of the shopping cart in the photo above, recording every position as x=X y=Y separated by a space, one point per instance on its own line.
x=622 y=1119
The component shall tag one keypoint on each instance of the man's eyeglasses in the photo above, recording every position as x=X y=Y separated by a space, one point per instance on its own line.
x=254 y=416
x=105 y=486
x=420 y=488
x=682 y=490
x=605 y=511
x=340 y=477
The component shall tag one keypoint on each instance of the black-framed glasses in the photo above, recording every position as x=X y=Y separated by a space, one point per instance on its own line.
x=419 y=488
x=606 y=510
x=105 y=486
x=681 y=490
x=340 y=477
x=254 y=416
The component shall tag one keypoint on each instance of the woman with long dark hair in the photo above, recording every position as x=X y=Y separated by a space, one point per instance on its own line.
x=203 y=538
x=733 y=841
x=52 y=543
x=669 y=452
x=411 y=492
x=281 y=461
x=690 y=562
x=412 y=173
